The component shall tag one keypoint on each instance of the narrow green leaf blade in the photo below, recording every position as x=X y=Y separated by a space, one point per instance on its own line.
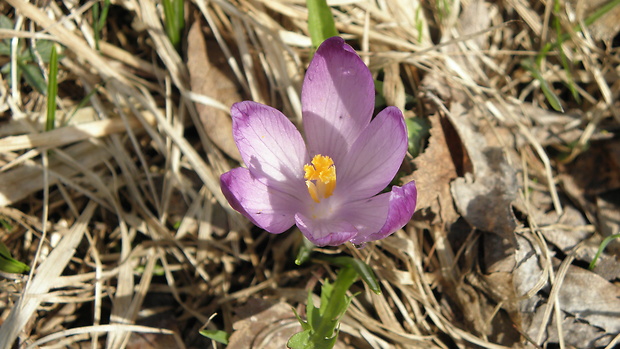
x=217 y=335
x=174 y=20
x=551 y=97
x=52 y=90
x=601 y=248
x=418 y=130
x=9 y=264
x=320 y=22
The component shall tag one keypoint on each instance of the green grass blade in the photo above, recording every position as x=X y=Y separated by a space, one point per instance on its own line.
x=217 y=335
x=52 y=91
x=100 y=15
x=81 y=105
x=570 y=82
x=601 y=248
x=174 y=21
x=9 y=264
x=320 y=22
x=551 y=97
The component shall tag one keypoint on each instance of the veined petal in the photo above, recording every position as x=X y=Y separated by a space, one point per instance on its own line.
x=375 y=157
x=401 y=206
x=337 y=99
x=367 y=215
x=325 y=232
x=266 y=207
x=270 y=145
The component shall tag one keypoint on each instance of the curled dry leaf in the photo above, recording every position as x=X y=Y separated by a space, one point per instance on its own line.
x=484 y=198
x=263 y=323
x=435 y=169
x=209 y=76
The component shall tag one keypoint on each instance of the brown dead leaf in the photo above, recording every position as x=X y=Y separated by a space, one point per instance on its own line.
x=604 y=28
x=596 y=170
x=593 y=181
x=591 y=306
x=484 y=198
x=435 y=169
x=608 y=213
x=155 y=340
x=263 y=324
x=210 y=76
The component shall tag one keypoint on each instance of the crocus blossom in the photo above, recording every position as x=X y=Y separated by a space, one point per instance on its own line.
x=328 y=185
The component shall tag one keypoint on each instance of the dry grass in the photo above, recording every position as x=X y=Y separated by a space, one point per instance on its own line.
x=119 y=212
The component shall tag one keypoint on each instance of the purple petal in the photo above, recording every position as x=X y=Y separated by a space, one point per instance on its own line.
x=367 y=215
x=266 y=207
x=402 y=202
x=270 y=146
x=375 y=157
x=337 y=99
x=324 y=232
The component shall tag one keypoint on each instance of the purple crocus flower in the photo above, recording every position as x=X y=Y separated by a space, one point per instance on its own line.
x=327 y=185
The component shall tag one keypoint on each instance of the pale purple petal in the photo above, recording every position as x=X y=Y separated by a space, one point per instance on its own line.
x=270 y=145
x=402 y=202
x=367 y=215
x=374 y=158
x=266 y=207
x=337 y=99
x=325 y=232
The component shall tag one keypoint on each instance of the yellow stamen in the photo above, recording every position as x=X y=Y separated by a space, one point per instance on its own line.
x=320 y=177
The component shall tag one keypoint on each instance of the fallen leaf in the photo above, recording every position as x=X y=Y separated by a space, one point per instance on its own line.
x=603 y=156
x=484 y=198
x=608 y=214
x=210 y=76
x=165 y=320
x=591 y=306
x=435 y=169
x=263 y=324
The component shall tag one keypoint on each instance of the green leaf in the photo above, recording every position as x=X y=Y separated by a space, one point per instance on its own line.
x=5 y=45
x=320 y=329
x=334 y=303
x=44 y=48
x=6 y=225
x=551 y=97
x=175 y=22
x=362 y=269
x=305 y=251
x=601 y=248
x=320 y=22
x=52 y=90
x=9 y=264
x=418 y=130
x=33 y=76
x=99 y=19
x=563 y=59
x=216 y=335
x=5 y=22
x=299 y=340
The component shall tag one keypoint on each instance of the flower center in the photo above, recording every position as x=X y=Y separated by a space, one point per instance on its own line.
x=320 y=177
